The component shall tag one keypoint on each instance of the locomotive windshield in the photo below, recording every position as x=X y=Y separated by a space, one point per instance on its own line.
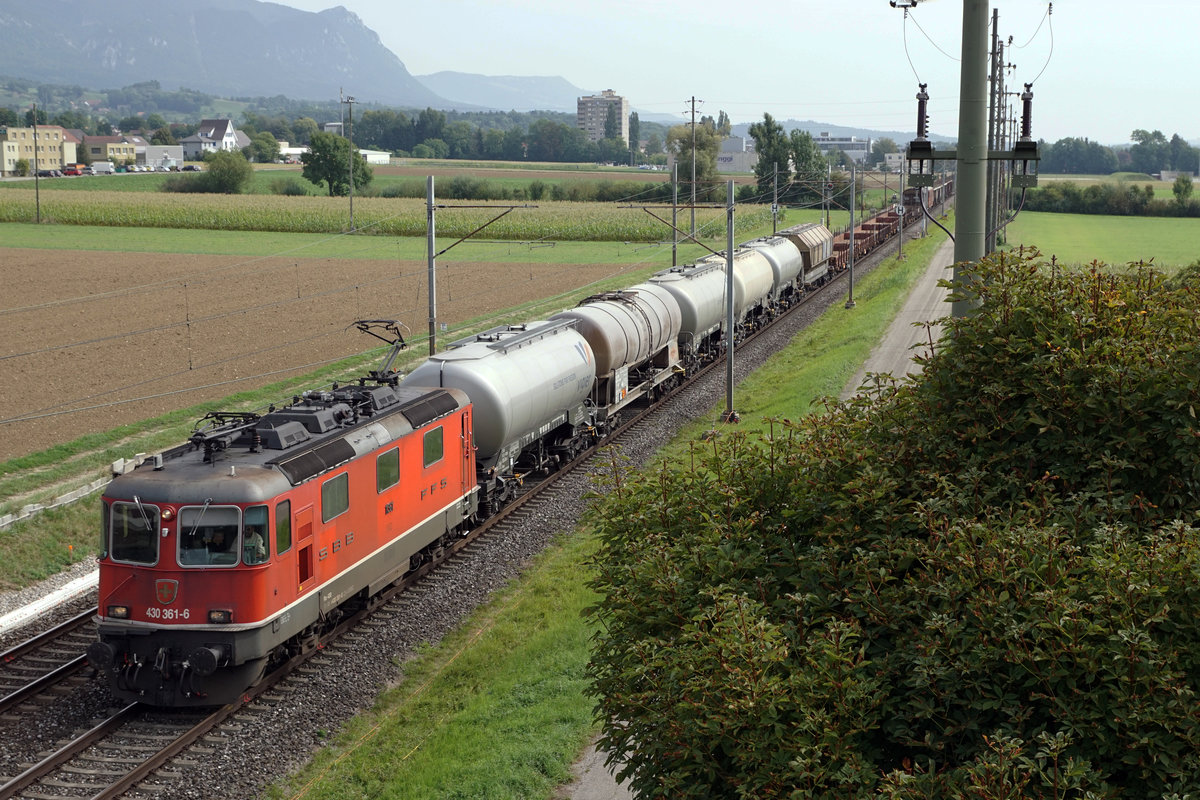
x=134 y=532
x=209 y=535
x=255 y=544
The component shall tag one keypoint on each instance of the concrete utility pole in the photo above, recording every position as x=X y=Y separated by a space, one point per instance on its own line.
x=971 y=188
x=850 y=300
x=693 y=231
x=730 y=414
x=972 y=154
x=350 y=101
x=674 y=214
x=993 y=112
x=430 y=248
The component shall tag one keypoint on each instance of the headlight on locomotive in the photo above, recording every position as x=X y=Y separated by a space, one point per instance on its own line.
x=220 y=616
x=118 y=612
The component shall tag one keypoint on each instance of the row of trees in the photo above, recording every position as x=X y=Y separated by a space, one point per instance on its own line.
x=1150 y=153
x=1119 y=199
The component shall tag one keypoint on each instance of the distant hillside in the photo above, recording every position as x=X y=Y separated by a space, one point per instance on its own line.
x=506 y=92
x=235 y=48
x=817 y=128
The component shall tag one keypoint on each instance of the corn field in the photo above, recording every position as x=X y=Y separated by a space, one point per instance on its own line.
x=557 y=221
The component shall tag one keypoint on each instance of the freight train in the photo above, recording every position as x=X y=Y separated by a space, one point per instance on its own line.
x=237 y=548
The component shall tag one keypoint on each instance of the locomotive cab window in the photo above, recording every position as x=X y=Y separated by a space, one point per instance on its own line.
x=105 y=527
x=335 y=497
x=208 y=535
x=433 y=446
x=283 y=527
x=256 y=537
x=387 y=470
x=134 y=533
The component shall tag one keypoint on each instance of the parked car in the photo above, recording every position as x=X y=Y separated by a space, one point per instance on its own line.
x=72 y=171
x=87 y=171
x=192 y=168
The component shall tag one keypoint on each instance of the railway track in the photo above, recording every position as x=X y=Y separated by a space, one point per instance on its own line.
x=46 y=660
x=140 y=747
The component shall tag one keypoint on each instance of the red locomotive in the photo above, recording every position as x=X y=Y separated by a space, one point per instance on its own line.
x=237 y=547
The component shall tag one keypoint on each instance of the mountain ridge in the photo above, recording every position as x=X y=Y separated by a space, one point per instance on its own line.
x=251 y=48
x=234 y=48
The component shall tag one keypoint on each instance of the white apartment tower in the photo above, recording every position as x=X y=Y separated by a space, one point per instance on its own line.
x=593 y=111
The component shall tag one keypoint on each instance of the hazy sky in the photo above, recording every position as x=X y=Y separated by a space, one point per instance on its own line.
x=1100 y=68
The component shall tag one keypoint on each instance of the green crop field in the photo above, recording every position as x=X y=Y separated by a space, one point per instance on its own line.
x=1080 y=238
x=562 y=221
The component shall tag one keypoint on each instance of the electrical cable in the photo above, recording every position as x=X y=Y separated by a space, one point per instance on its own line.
x=185 y=390
x=904 y=34
x=139 y=288
x=931 y=41
x=925 y=211
x=1050 y=19
x=157 y=378
x=1049 y=8
x=1004 y=224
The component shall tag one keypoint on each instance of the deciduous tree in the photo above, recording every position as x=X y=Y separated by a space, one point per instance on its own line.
x=263 y=148
x=635 y=134
x=771 y=144
x=1182 y=189
x=227 y=172
x=708 y=143
x=328 y=161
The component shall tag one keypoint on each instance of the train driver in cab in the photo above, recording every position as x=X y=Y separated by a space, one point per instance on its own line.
x=255 y=547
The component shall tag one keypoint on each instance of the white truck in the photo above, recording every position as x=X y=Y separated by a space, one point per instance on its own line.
x=103 y=168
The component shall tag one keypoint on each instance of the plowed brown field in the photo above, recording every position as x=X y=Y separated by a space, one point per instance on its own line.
x=114 y=338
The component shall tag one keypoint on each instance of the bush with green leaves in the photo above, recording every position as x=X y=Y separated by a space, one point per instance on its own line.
x=225 y=172
x=983 y=582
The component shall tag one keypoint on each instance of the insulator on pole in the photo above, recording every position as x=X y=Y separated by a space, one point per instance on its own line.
x=922 y=117
x=1027 y=112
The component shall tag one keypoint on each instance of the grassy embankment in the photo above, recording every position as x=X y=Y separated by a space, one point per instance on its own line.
x=508 y=687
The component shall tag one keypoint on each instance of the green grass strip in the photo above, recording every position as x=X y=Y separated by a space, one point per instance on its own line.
x=496 y=710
